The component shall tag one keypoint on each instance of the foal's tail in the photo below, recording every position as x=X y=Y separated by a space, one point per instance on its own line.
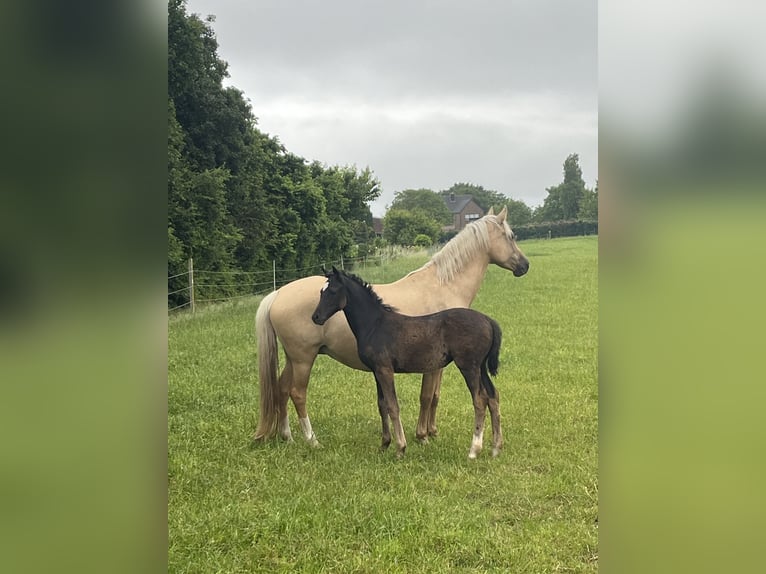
x=492 y=360
x=268 y=366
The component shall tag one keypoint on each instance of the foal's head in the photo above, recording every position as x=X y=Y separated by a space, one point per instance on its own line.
x=332 y=297
x=341 y=287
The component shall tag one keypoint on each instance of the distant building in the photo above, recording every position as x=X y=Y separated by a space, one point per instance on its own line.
x=377 y=226
x=464 y=210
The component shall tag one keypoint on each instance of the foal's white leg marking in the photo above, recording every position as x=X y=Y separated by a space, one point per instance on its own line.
x=476 y=444
x=308 y=433
x=284 y=429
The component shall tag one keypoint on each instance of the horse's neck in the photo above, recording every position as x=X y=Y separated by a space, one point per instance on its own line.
x=461 y=290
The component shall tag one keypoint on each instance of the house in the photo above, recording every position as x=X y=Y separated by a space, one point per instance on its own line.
x=464 y=210
x=377 y=225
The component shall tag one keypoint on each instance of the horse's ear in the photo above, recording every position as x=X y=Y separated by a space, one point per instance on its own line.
x=491 y=210
x=501 y=216
x=334 y=270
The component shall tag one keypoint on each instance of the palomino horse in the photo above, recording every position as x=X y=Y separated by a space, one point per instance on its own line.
x=391 y=343
x=450 y=279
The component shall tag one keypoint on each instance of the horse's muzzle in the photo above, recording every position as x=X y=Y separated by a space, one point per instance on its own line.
x=521 y=268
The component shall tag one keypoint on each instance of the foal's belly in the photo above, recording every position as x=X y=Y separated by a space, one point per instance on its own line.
x=420 y=366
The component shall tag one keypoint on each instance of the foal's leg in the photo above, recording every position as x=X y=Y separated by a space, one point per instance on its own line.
x=472 y=378
x=301 y=371
x=385 y=378
x=383 y=410
x=497 y=432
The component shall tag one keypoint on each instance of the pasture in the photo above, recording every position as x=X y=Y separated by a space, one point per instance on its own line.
x=346 y=507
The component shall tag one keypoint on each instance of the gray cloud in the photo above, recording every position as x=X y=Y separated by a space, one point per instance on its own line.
x=425 y=93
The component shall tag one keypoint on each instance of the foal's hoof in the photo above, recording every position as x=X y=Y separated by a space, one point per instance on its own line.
x=495 y=451
x=400 y=453
x=422 y=439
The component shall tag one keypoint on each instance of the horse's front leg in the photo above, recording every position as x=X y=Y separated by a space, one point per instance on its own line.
x=429 y=398
x=383 y=410
x=385 y=379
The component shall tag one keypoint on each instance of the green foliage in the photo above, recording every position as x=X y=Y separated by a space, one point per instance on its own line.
x=401 y=227
x=519 y=213
x=424 y=201
x=235 y=507
x=237 y=199
x=569 y=199
x=552 y=229
x=423 y=241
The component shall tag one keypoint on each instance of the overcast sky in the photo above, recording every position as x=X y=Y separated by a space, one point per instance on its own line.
x=426 y=93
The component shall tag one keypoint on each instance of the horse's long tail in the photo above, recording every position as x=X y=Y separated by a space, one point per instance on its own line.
x=492 y=360
x=268 y=366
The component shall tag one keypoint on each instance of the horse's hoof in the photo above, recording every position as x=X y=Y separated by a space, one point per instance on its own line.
x=495 y=451
x=422 y=439
x=315 y=444
x=433 y=432
x=399 y=454
x=472 y=454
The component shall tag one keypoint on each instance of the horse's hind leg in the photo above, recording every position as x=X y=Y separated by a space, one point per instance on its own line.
x=494 y=413
x=429 y=398
x=283 y=394
x=298 y=392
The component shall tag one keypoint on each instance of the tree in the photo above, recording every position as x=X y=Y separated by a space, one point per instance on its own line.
x=424 y=201
x=589 y=204
x=519 y=213
x=401 y=227
x=237 y=199
x=563 y=200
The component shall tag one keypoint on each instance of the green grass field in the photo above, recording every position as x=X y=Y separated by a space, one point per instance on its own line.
x=236 y=507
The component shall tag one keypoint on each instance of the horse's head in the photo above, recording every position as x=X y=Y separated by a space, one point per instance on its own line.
x=332 y=297
x=503 y=250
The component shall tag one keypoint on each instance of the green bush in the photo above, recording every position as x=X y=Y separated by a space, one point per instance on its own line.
x=422 y=240
x=550 y=229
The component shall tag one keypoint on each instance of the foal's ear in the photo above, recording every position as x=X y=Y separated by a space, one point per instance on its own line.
x=491 y=210
x=334 y=270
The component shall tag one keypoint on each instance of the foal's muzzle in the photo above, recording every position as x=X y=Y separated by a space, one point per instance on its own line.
x=318 y=320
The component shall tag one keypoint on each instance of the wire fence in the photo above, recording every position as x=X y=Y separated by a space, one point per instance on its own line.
x=202 y=288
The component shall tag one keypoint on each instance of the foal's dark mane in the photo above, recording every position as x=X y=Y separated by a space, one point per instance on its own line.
x=375 y=297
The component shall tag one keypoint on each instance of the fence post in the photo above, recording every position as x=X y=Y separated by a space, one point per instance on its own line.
x=341 y=262
x=191 y=284
x=274 y=273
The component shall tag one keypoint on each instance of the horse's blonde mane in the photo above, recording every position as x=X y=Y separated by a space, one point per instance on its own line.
x=473 y=239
